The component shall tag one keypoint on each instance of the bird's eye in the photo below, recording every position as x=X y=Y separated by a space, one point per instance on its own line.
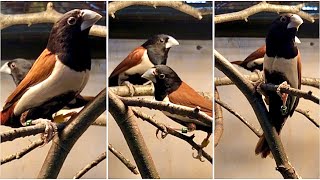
x=12 y=65
x=162 y=76
x=283 y=19
x=161 y=40
x=72 y=21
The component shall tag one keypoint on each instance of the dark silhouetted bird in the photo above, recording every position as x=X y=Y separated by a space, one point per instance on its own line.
x=281 y=63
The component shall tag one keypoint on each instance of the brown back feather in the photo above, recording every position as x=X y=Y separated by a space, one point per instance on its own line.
x=40 y=70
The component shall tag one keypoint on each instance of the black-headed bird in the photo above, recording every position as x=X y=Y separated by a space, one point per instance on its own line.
x=58 y=75
x=282 y=64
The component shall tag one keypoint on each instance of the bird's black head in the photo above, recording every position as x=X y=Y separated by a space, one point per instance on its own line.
x=158 y=47
x=281 y=37
x=165 y=80
x=69 y=38
x=17 y=68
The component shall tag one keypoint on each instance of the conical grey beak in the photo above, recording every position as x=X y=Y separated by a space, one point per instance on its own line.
x=295 y=21
x=171 y=42
x=5 y=68
x=89 y=18
x=150 y=75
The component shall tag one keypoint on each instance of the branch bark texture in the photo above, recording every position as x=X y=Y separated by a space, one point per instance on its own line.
x=126 y=120
x=64 y=141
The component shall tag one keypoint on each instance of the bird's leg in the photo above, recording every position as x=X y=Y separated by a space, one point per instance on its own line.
x=284 y=97
x=204 y=144
x=130 y=86
x=50 y=130
x=147 y=83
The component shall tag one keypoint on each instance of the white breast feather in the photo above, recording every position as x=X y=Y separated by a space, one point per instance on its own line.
x=255 y=62
x=62 y=80
x=288 y=67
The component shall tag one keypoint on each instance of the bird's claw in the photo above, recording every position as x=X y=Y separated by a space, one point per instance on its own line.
x=50 y=130
x=130 y=87
x=282 y=85
x=164 y=132
x=199 y=155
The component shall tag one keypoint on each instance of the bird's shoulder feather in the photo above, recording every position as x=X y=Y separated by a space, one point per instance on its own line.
x=131 y=60
x=187 y=96
x=40 y=70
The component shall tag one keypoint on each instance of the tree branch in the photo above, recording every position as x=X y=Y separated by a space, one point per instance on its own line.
x=306 y=114
x=123 y=159
x=218 y=117
x=126 y=120
x=165 y=129
x=50 y=15
x=242 y=119
x=262 y=7
x=94 y=163
x=200 y=117
x=23 y=152
x=255 y=100
x=113 y=7
x=292 y=91
x=64 y=141
x=308 y=81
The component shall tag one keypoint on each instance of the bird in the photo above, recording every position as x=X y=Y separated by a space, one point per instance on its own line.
x=255 y=60
x=17 y=69
x=58 y=75
x=153 y=52
x=170 y=88
x=282 y=66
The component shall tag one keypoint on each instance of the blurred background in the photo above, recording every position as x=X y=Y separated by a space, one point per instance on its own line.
x=21 y=41
x=234 y=156
x=191 y=60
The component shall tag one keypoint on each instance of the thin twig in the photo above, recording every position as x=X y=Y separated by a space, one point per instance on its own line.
x=218 y=117
x=292 y=91
x=200 y=117
x=113 y=7
x=123 y=159
x=165 y=129
x=262 y=7
x=306 y=114
x=23 y=152
x=242 y=119
x=26 y=131
x=50 y=15
x=94 y=163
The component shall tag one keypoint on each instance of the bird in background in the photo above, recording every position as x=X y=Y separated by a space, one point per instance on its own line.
x=18 y=69
x=58 y=75
x=255 y=60
x=282 y=66
x=170 y=88
x=153 y=52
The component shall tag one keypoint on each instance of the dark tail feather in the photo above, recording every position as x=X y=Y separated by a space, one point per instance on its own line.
x=262 y=147
x=237 y=62
x=113 y=81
